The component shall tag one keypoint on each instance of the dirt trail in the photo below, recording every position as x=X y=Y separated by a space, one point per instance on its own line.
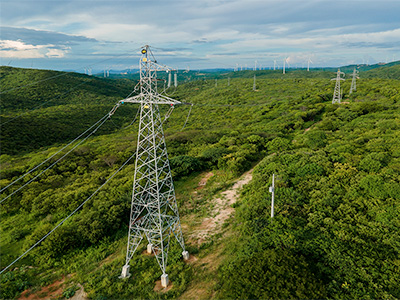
x=221 y=211
x=80 y=294
x=206 y=267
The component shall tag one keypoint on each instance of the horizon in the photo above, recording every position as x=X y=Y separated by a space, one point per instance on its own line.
x=198 y=35
x=97 y=72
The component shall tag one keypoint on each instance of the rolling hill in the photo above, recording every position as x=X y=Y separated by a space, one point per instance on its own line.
x=336 y=228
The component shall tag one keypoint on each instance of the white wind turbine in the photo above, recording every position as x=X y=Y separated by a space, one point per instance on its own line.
x=285 y=61
x=308 y=64
x=275 y=65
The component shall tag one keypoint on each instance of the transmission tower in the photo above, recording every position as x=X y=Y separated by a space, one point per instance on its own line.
x=154 y=212
x=337 y=94
x=254 y=83
x=353 y=86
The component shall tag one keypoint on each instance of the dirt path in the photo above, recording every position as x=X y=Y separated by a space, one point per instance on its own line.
x=205 y=268
x=221 y=211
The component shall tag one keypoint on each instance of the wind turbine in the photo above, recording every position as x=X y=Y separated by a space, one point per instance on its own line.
x=275 y=64
x=284 y=64
x=308 y=64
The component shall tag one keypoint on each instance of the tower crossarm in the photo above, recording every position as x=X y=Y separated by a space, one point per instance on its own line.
x=159 y=68
x=152 y=98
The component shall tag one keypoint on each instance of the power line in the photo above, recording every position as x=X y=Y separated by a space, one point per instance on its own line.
x=37 y=166
x=32 y=83
x=104 y=120
x=64 y=73
x=187 y=118
x=107 y=115
x=40 y=105
x=63 y=221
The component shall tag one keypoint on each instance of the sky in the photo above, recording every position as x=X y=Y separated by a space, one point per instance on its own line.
x=198 y=34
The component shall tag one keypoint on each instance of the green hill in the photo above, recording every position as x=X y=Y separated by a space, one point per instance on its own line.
x=392 y=72
x=336 y=228
x=58 y=107
x=55 y=88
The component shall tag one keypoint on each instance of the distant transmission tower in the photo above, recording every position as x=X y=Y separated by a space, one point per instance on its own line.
x=353 y=86
x=254 y=83
x=154 y=212
x=337 y=94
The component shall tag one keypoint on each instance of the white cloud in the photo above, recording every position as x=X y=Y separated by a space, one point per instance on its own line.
x=58 y=53
x=18 y=49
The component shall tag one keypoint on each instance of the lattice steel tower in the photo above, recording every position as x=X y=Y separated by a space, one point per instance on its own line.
x=353 y=86
x=337 y=93
x=154 y=212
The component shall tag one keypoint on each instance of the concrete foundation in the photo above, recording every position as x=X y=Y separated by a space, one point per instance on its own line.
x=185 y=255
x=149 y=248
x=164 y=280
x=125 y=272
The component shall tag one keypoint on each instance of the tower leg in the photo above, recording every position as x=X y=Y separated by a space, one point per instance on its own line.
x=125 y=272
x=164 y=280
x=185 y=255
x=149 y=248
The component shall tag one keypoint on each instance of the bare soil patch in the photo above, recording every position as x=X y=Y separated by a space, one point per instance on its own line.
x=51 y=291
x=160 y=288
x=80 y=294
x=204 y=180
x=221 y=211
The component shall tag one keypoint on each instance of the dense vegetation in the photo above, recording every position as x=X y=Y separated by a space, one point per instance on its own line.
x=336 y=229
x=56 y=109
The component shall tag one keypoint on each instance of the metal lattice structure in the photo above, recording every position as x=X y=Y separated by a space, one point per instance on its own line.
x=353 y=86
x=154 y=212
x=337 y=93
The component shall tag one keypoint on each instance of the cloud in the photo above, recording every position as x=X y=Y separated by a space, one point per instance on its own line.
x=200 y=41
x=217 y=31
x=41 y=37
x=18 y=49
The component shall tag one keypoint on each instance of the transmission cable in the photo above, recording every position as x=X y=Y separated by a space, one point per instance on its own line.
x=187 y=118
x=37 y=166
x=65 y=73
x=104 y=119
x=40 y=105
x=137 y=113
x=63 y=221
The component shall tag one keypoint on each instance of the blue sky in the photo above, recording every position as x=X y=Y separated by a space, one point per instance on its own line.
x=72 y=35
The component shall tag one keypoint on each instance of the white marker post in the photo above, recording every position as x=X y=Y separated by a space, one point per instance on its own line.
x=272 y=191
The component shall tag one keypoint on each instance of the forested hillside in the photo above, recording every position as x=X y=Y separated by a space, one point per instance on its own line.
x=54 y=109
x=336 y=228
